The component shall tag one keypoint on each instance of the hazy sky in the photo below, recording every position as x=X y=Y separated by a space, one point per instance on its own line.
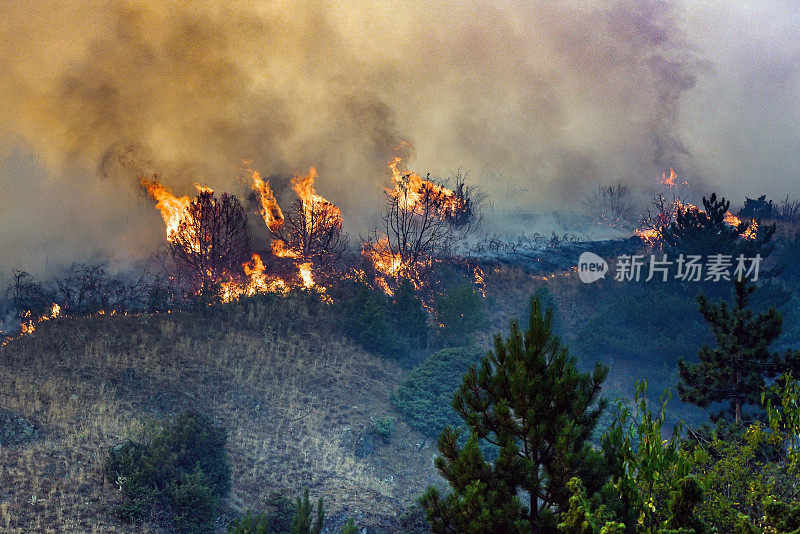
x=539 y=101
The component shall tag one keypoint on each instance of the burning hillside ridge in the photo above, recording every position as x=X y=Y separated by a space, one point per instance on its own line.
x=423 y=231
x=210 y=247
x=668 y=206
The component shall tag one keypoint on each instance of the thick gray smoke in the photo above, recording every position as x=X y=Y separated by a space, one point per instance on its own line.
x=539 y=101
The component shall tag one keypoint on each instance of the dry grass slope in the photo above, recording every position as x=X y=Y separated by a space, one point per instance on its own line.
x=294 y=396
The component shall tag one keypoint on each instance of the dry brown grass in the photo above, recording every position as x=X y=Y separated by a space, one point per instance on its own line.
x=293 y=395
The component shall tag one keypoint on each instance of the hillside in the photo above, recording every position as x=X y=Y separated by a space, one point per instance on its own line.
x=296 y=399
x=301 y=402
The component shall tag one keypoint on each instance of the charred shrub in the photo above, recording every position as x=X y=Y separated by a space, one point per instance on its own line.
x=180 y=472
x=788 y=210
x=612 y=204
x=424 y=398
x=757 y=208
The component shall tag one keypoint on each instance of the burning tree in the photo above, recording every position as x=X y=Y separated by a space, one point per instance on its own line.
x=715 y=230
x=422 y=222
x=211 y=241
x=658 y=218
x=311 y=229
x=27 y=295
x=672 y=219
x=207 y=235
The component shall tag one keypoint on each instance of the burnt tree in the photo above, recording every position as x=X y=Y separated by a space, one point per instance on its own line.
x=211 y=241
x=312 y=231
x=422 y=222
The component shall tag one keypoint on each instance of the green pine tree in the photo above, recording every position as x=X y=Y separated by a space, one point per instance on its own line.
x=530 y=402
x=303 y=522
x=350 y=527
x=705 y=232
x=735 y=371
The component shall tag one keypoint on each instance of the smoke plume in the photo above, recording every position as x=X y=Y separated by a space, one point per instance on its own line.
x=539 y=101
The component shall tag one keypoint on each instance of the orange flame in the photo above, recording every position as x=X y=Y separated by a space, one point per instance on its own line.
x=653 y=236
x=479 y=281
x=258 y=281
x=669 y=181
x=312 y=204
x=410 y=189
x=304 y=187
x=306 y=275
x=270 y=210
x=28 y=325
x=382 y=258
x=752 y=228
x=170 y=206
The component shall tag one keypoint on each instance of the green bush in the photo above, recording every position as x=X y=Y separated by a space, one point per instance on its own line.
x=408 y=315
x=181 y=470
x=383 y=427
x=389 y=327
x=460 y=312
x=425 y=396
x=279 y=520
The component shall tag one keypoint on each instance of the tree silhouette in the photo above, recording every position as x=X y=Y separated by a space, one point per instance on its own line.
x=422 y=221
x=211 y=241
x=312 y=231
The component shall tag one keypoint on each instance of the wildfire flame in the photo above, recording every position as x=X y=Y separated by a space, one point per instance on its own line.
x=479 y=281
x=410 y=189
x=669 y=181
x=411 y=192
x=306 y=275
x=270 y=210
x=312 y=202
x=382 y=258
x=653 y=234
x=28 y=324
x=258 y=281
x=170 y=206
x=315 y=209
